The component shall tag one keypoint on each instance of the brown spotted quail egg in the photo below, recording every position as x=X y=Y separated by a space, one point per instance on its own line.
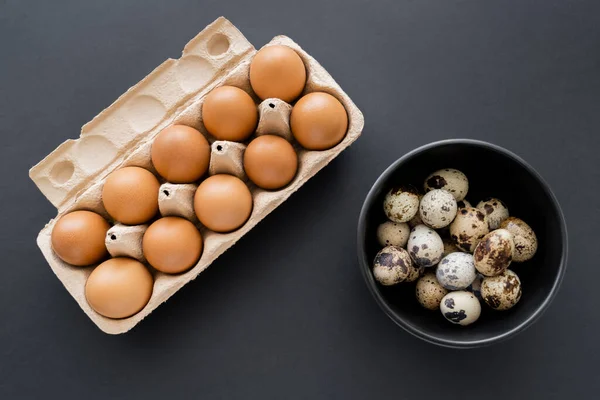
x=429 y=292
x=414 y=273
x=468 y=228
x=449 y=246
x=464 y=203
x=495 y=210
x=475 y=286
x=425 y=246
x=392 y=265
x=392 y=233
x=401 y=203
x=460 y=307
x=494 y=253
x=416 y=220
x=456 y=271
x=526 y=242
x=449 y=179
x=501 y=292
x=437 y=208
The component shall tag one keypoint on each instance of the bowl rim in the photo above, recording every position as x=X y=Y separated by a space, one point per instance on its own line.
x=365 y=265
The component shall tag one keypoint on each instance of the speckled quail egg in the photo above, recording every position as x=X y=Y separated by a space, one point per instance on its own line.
x=437 y=208
x=425 y=246
x=526 y=242
x=393 y=233
x=429 y=292
x=503 y=291
x=401 y=203
x=495 y=210
x=414 y=273
x=468 y=228
x=494 y=253
x=460 y=307
x=464 y=203
x=392 y=265
x=456 y=271
x=475 y=286
x=449 y=179
x=416 y=220
x=449 y=246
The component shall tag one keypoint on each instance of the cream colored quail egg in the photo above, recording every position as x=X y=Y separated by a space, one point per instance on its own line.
x=464 y=203
x=494 y=253
x=401 y=203
x=429 y=292
x=416 y=220
x=393 y=233
x=449 y=179
x=468 y=228
x=495 y=210
x=392 y=265
x=460 y=307
x=414 y=273
x=437 y=208
x=425 y=246
x=456 y=271
x=526 y=242
x=503 y=291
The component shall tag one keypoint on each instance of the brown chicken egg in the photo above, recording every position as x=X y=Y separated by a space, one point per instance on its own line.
x=119 y=287
x=318 y=121
x=78 y=238
x=223 y=203
x=130 y=195
x=277 y=71
x=172 y=245
x=229 y=113
x=180 y=154
x=270 y=162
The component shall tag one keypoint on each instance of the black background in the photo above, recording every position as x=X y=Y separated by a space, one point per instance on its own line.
x=285 y=313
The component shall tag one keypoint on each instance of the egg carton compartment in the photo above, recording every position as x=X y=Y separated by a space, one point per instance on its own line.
x=66 y=180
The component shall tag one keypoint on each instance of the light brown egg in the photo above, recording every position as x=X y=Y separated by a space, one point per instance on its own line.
x=468 y=228
x=78 y=238
x=429 y=292
x=229 y=113
x=526 y=242
x=119 y=287
x=130 y=195
x=494 y=253
x=270 y=162
x=180 y=154
x=223 y=203
x=318 y=121
x=172 y=245
x=277 y=71
x=501 y=292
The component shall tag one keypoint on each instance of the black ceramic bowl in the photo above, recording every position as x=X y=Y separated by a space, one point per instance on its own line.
x=492 y=172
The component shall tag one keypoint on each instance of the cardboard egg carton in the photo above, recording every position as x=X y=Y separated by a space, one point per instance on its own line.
x=72 y=176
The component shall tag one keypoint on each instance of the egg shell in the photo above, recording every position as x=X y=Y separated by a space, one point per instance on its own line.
x=494 y=253
x=393 y=233
x=414 y=273
x=460 y=308
x=468 y=228
x=449 y=246
x=270 y=162
x=495 y=210
x=464 y=203
x=456 y=271
x=501 y=292
x=78 y=238
x=475 y=286
x=425 y=246
x=401 y=203
x=437 y=208
x=524 y=237
x=229 y=113
x=449 y=179
x=416 y=220
x=392 y=265
x=429 y=292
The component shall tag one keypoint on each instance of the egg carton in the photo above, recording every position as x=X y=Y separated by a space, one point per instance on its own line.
x=72 y=176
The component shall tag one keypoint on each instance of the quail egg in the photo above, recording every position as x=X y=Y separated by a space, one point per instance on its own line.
x=526 y=242
x=460 y=307
x=449 y=179
x=456 y=271
x=425 y=246
x=392 y=233
x=449 y=247
x=414 y=273
x=392 y=265
x=401 y=203
x=429 y=292
x=468 y=228
x=494 y=253
x=416 y=220
x=475 y=286
x=503 y=291
x=495 y=210
x=437 y=208
x=464 y=203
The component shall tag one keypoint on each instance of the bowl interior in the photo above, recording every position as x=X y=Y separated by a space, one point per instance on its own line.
x=492 y=172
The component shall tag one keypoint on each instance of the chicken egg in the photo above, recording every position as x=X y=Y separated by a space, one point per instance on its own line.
x=229 y=113
x=468 y=228
x=460 y=308
x=448 y=179
x=393 y=233
x=501 y=292
x=494 y=253
x=425 y=246
x=277 y=72
x=495 y=210
x=78 y=238
x=437 y=208
x=270 y=162
x=524 y=237
x=401 y=203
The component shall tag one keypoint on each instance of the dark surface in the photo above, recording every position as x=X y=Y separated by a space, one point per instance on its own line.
x=505 y=176
x=285 y=313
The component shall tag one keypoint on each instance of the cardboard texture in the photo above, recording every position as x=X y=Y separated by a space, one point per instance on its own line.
x=72 y=176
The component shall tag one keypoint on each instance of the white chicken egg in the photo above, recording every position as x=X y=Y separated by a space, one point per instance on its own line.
x=425 y=246
x=460 y=308
x=456 y=271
